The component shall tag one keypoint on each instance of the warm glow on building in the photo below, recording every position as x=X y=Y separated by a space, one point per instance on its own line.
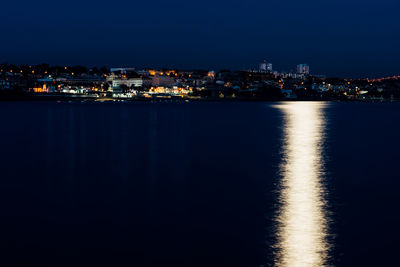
x=43 y=89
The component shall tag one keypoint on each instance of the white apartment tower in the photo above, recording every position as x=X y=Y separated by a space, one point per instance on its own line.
x=303 y=69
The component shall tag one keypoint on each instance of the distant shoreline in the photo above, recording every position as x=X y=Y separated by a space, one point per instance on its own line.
x=86 y=98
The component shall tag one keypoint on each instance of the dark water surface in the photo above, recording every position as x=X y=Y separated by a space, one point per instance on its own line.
x=199 y=184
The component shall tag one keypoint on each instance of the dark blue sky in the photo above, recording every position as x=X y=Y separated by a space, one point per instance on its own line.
x=336 y=37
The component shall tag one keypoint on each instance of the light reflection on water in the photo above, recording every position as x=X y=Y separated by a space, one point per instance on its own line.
x=302 y=218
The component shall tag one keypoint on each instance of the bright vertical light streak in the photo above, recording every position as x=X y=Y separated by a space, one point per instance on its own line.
x=302 y=222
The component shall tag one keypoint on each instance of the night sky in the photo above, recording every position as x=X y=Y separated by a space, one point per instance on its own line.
x=336 y=37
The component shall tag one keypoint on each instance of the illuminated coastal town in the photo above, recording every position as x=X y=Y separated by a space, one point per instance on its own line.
x=261 y=83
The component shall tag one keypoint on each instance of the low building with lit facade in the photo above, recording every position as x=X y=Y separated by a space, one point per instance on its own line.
x=124 y=76
x=129 y=82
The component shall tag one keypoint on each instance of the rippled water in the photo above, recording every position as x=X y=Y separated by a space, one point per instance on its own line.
x=199 y=184
x=302 y=219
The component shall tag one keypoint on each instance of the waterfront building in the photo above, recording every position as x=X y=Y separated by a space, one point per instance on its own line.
x=124 y=76
x=129 y=82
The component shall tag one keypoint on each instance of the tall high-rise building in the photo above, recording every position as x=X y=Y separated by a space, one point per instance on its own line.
x=264 y=66
x=303 y=69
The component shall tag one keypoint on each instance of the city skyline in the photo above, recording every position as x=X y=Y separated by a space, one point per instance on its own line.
x=337 y=38
x=199 y=133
